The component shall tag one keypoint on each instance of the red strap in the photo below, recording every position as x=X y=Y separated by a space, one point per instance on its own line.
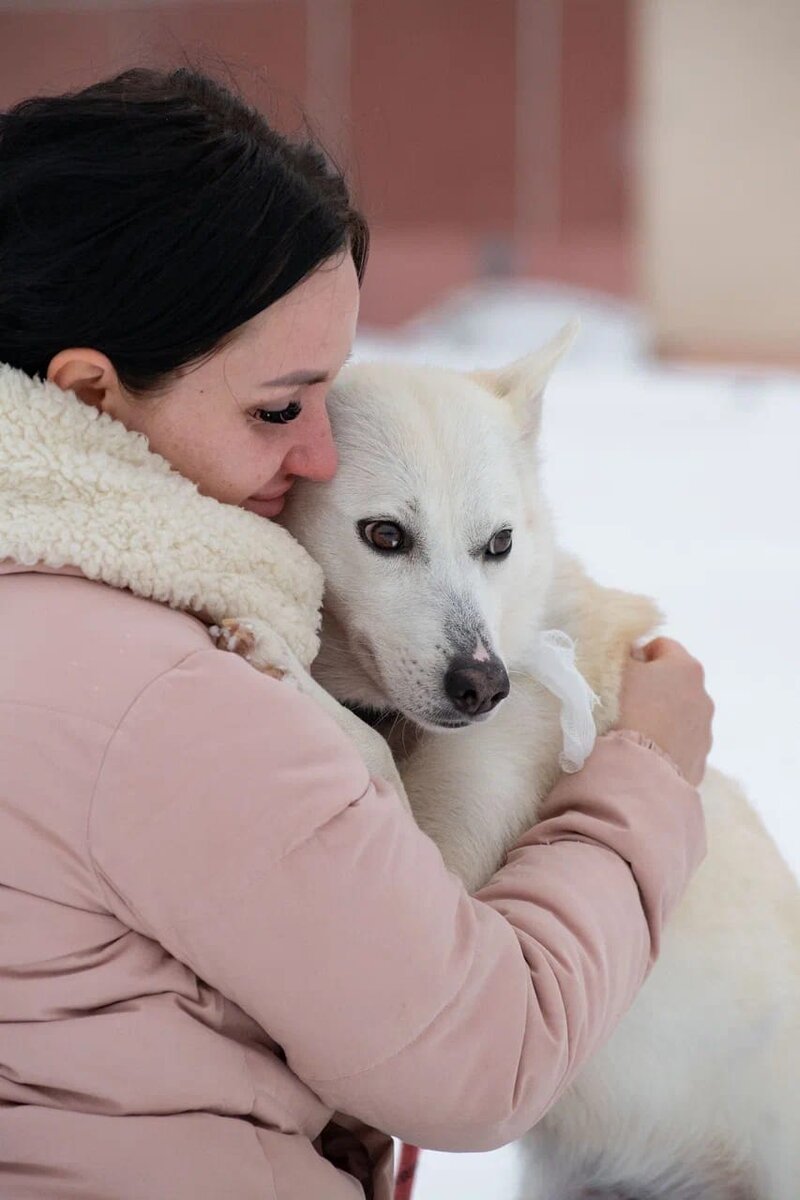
x=404 y=1180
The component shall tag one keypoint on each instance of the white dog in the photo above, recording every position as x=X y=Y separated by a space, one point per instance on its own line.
x=442 y=570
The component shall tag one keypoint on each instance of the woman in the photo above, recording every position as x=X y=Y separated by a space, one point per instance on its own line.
x=229 y=956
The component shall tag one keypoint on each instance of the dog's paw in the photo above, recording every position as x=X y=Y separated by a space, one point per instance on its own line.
x=233 y=635
x=239 y=637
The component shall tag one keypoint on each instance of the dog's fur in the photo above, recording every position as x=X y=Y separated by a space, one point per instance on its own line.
x=697 y=1094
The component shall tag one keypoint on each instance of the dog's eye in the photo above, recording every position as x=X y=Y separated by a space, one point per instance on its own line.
x=385 y=536
x=500 y=544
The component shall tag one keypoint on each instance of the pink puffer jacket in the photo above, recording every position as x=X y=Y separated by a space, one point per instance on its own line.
x=216 y=930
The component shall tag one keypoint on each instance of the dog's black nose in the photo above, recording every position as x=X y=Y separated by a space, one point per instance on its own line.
x=476 y=687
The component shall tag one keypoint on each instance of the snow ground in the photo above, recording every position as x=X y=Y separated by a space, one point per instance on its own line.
x=680 y=483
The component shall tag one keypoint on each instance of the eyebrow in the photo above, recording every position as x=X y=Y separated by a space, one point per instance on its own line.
x=295 y=378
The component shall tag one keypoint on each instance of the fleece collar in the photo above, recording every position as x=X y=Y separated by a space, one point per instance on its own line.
x=78 y=488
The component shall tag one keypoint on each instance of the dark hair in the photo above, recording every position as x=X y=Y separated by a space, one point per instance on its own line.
x=149 y=216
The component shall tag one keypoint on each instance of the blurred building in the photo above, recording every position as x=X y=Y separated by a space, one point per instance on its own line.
x=576 y=140
x=719 y=177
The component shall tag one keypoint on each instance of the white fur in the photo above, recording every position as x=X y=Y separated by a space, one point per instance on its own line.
x=697 y=1094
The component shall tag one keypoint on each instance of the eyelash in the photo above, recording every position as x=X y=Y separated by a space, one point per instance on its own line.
x=279 y=416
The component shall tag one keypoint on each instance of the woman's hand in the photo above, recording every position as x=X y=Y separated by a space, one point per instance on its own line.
x=664 y=698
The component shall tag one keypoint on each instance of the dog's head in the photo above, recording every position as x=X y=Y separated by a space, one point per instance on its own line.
x=435 y=541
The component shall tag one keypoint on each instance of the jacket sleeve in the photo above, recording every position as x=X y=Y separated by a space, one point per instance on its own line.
x=235 y=824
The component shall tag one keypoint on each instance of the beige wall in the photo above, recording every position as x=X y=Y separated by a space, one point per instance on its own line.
x=718 y=201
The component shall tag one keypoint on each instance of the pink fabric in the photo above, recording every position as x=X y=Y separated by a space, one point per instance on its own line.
x=217 y=930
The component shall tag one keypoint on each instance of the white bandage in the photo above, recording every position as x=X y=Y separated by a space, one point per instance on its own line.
x=553 y=665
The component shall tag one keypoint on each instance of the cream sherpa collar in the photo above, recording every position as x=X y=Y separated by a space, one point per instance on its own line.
x=78 y=488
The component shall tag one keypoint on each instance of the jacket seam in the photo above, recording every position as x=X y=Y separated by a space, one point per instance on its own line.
x=107 y=887
x=114 y=731
x=62 y=712
x=267 y=1161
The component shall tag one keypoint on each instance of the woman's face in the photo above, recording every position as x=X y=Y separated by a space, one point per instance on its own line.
x=217 y=424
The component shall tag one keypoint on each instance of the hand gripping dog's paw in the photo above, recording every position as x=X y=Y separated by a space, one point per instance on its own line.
x=238 y=636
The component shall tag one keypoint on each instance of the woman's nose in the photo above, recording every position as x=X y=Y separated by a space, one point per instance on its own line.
x=314 y=454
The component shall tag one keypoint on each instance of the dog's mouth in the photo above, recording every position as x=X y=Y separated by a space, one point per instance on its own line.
x=438 y=726
x=385 y=715
x=438 y=722
x=379 y=718
x=435 y=719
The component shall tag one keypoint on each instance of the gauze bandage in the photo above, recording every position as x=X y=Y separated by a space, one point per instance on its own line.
x=552 y=663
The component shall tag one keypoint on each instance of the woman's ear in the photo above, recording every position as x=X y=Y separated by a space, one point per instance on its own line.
x=90 y=375
x=522 y=382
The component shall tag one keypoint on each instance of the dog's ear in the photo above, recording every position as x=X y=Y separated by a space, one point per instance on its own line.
x=522 y=382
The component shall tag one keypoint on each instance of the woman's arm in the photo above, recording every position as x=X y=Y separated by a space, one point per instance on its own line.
x=234 y=823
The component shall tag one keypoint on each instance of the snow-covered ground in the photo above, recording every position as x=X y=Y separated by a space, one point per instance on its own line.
x=680 y=483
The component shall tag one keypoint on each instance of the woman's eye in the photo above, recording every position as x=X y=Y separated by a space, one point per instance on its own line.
x=385 y=536
x=278 y=416
x=500 y=544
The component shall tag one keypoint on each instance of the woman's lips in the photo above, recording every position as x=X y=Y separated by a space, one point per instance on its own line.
x=266 y=506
